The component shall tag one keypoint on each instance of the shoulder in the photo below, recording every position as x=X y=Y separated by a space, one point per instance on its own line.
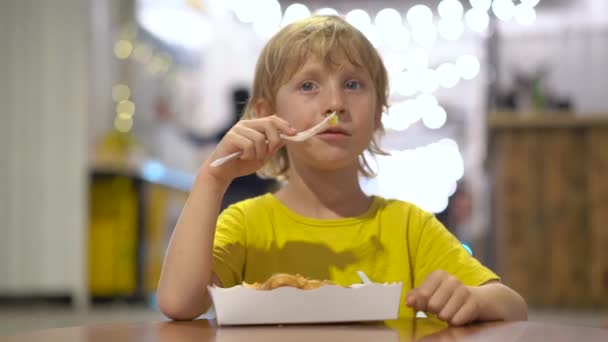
x=406 y=210
x=250 y=204
x=409 y=218
x=255 y=210
x=233 y=222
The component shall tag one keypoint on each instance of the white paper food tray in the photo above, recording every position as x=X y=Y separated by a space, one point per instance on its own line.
x=287 y=305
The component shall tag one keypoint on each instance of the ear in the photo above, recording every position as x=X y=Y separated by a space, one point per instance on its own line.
x=262 y=108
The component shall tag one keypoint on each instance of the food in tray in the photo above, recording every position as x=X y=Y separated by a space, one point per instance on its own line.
x=288 y=280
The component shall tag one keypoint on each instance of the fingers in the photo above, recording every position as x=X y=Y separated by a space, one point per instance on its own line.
x=467 y=313
x=443 y=294
x=255 y=146
x=411 y=298
x=241 y=143
x=282 y=125
x=458 y=299
x=273 y=126
x=272 y=135
x=259 y=138
x=418 y=298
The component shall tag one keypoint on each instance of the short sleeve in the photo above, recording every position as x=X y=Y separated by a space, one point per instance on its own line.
x=435 y=248
x=229 y=246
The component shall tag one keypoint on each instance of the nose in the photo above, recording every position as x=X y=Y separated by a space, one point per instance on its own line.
x=335 y=102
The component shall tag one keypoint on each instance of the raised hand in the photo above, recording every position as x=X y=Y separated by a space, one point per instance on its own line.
x=256 y=139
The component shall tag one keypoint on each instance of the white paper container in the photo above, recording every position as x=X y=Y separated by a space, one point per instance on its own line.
x=370 y=302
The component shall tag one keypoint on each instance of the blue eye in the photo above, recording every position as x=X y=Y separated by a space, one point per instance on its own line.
x=353 y=85
x=307 y=86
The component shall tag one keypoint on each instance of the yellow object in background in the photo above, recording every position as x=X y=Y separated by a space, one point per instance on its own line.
x=155 y=235
x=162 y=208
x=113 y=236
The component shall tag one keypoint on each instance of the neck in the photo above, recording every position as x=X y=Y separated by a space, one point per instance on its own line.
x=324 y=194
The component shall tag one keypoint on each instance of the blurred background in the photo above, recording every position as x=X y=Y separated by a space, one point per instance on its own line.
x=498 y=124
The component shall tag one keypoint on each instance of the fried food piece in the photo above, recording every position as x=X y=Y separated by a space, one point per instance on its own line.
x=283 y=279
x=315 y=284
x=255 y=286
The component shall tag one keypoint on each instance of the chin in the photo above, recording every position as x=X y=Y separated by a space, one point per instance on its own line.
x=334 y=164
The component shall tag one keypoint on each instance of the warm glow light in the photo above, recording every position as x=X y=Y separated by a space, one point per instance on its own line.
x=417 y=59
x=424 y=176
x=401 y=116
x=176 y=26
x=156 y=65
x=403 y=83
x=267 y=18
x=124 y=116
x=244 y=11
x=265 y=29
x=142 y=53
x=450 y=9
x=398 y=38
x=293 y=13
x=123 y=123
x=125 y=106
x=373 y=35
x=525 y=15
x=326 y=11
x=468 y=66
x=394 y=62
x=427 y=80
x=387 y=19
x=426 y=103
x=477 y=20
x=424 y=35
x=530 y=3
x=358 y=18
x=448 y=75
x=123 y=49
x=129 y=31
x=450 y=29
x=121 y=92
x=503 y=9
x=483 y=5
x=434 y=118
x=419 y=15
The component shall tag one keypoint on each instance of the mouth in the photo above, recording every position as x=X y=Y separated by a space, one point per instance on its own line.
x=334 y=131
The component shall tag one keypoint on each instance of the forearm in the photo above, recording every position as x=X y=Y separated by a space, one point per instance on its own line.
x=499 y=302
x=187 y=268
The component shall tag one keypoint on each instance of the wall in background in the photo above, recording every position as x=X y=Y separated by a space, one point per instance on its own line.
x=44 y=94
x=571 y=42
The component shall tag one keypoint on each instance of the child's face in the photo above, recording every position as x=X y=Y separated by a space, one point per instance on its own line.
x=316 y=89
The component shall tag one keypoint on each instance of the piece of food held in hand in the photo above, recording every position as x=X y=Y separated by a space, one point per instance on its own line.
x=288 y=280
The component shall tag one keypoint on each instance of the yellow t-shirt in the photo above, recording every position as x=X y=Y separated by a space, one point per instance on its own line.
x=394 y=241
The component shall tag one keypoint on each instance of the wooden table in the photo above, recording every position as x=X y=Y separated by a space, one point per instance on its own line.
x=403 y=330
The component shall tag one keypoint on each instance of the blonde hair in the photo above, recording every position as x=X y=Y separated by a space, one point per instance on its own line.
x=326 y=38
